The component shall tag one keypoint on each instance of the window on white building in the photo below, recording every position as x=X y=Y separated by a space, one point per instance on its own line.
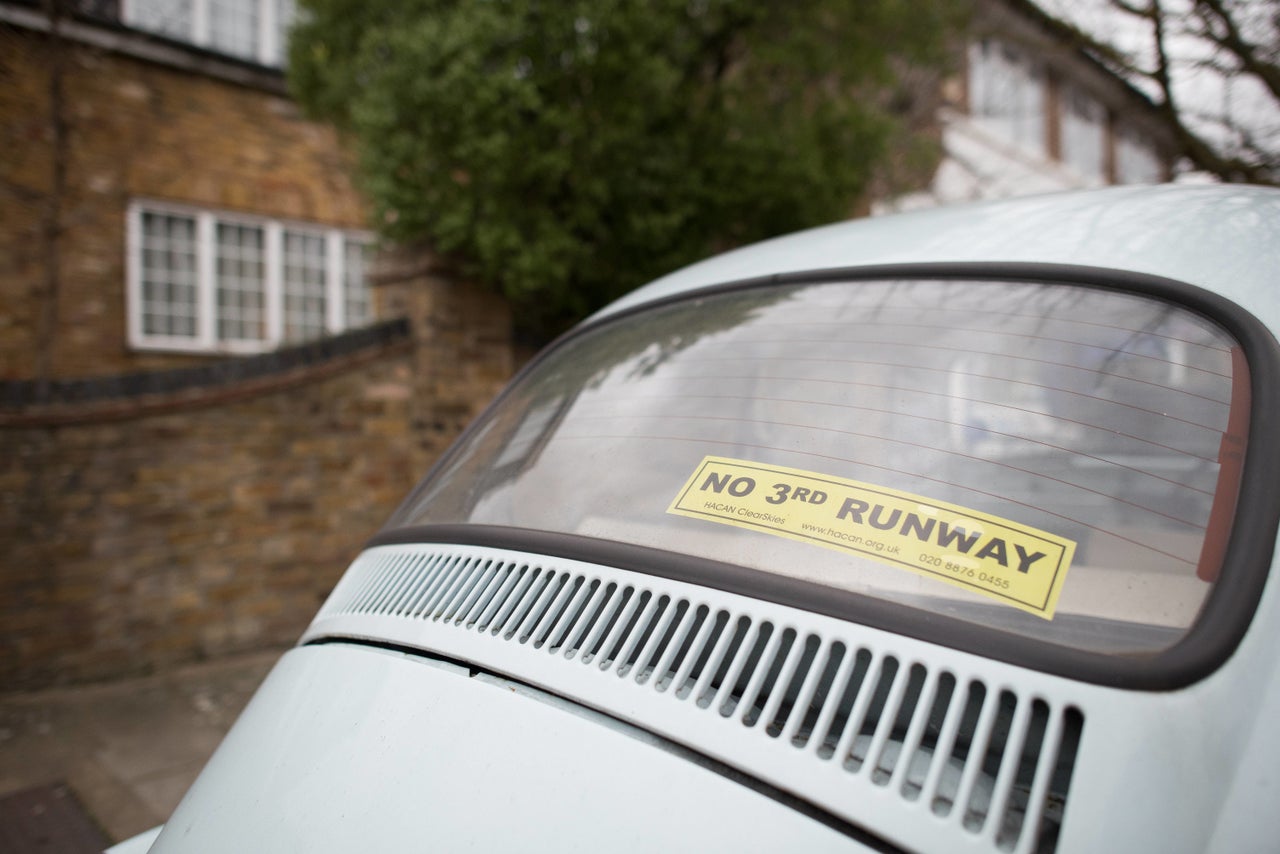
x=1007 y=94
x=207 y=281
x=1084 y=134
x=256 y=30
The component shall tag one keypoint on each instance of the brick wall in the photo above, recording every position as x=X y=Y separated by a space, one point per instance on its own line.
x=200 y=527
x=141 y=526
x=132 y=129
x=138 y=543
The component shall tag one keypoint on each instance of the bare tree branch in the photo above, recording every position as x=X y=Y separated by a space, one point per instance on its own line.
x=1232 y=40
x=1194 y=147
x=1243 y=155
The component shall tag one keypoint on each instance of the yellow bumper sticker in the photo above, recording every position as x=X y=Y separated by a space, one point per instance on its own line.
x=1011 y=563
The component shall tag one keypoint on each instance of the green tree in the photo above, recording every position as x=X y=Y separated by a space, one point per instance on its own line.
x=565 y=151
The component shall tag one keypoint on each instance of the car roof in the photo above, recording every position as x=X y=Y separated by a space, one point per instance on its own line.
x=1224 y=238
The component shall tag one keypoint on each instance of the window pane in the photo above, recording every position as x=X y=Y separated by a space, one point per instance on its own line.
x=167 y=17
x=355 y=287
x=1092 y=417
x=1006 y=94
x=1084 y=134
x=168 y=275
x=233 y=27
x=286 y=14
x=304 y=286
x=241 y=283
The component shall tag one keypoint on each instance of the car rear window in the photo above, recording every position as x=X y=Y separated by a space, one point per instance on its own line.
x=1052 y=460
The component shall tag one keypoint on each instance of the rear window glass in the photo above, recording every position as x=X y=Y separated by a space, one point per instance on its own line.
x=1051 y=460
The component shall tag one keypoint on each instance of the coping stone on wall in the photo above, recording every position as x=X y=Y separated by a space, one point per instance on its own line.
x=47 y=402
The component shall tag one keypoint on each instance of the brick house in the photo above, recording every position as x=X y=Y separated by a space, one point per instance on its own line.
x=184 y=172
x=205 y=408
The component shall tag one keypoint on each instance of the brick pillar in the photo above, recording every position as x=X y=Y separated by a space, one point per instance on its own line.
x=463 y=350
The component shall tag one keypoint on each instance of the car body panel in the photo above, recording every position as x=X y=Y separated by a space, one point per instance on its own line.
x=139 y=844
x=417 y=712
x=348 y=748
x=1222 y=238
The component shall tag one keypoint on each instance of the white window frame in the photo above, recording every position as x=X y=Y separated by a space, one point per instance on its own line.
x=270 y=50
x=207 y=219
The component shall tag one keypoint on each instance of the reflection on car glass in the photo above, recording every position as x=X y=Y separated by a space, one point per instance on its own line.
x=1095 y=416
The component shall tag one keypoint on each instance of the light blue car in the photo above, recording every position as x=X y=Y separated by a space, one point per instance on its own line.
x=949 y=531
